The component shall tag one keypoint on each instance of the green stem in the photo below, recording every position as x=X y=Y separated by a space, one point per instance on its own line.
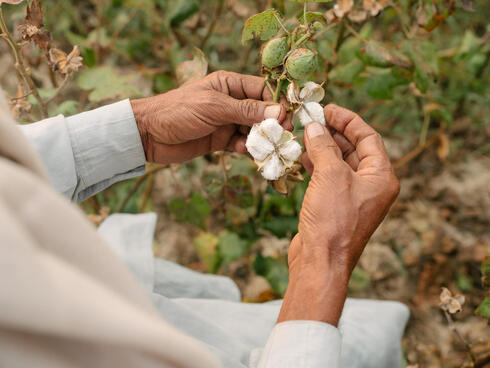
x=277 y=92
x=304 y=15
x=301 y=40
x=425 y=129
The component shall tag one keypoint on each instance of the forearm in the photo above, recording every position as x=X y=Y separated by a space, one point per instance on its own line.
x=317 y=289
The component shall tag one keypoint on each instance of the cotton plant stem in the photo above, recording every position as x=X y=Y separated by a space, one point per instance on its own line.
x=425 y=129
x=453 y=328
x=20 y=66
x=137 y=184
x=277 y=92
x=210 y=30
x=59 y=90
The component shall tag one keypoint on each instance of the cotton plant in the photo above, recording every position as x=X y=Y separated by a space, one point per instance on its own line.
x=288 y=61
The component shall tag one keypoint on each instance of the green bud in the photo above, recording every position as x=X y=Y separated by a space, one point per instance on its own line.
x=274 y=52
x=318 y=26
x=301 y=64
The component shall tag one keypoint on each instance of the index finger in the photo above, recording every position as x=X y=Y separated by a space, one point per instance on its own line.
x=367 y=142
x=240 y=86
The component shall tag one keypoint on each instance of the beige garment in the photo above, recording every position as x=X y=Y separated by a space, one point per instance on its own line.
x=66 y=300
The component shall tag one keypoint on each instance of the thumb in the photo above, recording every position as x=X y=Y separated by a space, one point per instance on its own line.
x=322 y=149
x=249 y=112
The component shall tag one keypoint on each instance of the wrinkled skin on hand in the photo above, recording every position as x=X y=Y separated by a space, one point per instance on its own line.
x=352 y=188
x=211 y=114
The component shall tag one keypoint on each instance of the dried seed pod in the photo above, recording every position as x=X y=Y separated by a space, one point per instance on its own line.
x=273 y=149
x=301 y=64
x=274 y=52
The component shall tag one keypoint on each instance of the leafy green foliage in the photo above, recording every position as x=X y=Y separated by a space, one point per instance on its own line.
x=104 y=84
x=193 y=210
x=264 y=25
x=274 y=270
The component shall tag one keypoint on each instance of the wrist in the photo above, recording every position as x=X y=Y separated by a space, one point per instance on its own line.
x=317 y=286
x=140 y=111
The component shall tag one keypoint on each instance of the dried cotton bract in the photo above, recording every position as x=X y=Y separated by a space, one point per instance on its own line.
x=306 y=102
x=273 y=148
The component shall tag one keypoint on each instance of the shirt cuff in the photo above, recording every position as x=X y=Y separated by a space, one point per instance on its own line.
x=106 y=143
x=302 y=344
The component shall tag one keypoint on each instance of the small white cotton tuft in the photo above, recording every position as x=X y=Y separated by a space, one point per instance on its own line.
x=290 y=150
x=273 y=169
x=272 y=129
x=311 y=111
x=312 y=92
x=258 y=145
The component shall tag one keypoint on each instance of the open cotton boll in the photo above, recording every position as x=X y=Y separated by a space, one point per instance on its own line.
x=258 y=145
x=290 y=150
x=273 y=168
x=272 y=129
x=311 y=111
x=312 y=92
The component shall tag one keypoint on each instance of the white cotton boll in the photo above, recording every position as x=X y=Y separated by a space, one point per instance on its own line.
x=273 y=168
x=311 y=111
x=290 y=150
x=312 y=92
x=272 y=129
x=258 y=145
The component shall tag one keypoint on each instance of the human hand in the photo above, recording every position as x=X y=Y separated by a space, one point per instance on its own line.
x=352 y=188
x=211 y=114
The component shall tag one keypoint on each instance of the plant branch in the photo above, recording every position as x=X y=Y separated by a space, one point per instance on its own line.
x=137 y=184
x=59 y=90
x=277 y=92
x=282 y=25
x=210 y=30
x=453 y=328
x=425 y=129
x=20 y=66
x=417 y=151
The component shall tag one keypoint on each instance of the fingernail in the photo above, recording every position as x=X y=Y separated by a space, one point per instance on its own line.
x=314 y=130
x=272 y=112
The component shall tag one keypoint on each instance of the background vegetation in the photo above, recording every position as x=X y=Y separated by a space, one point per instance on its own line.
x=416 y=70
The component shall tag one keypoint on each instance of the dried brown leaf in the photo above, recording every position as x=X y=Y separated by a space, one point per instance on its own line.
x=66 y=64
x=443 y=147
x=192 y=70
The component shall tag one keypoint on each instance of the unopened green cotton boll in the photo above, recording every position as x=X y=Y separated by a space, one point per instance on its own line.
x=274 y=52
x=318 y=26
x=301 y=64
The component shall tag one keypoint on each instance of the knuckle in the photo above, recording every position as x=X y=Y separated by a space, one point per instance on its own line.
x=249 y=108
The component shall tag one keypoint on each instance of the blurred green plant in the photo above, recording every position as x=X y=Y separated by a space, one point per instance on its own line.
x=407 y=66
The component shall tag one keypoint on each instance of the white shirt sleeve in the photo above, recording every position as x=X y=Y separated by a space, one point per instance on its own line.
x=302 y=344
x=88 y=152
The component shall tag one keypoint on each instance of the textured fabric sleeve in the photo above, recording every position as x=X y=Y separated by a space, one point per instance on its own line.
x=88 y=152
x=302 y=344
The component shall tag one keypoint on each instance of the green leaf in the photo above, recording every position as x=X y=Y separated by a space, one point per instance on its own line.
x=281 y=226
x=376 y=54
x=483 y=309
x=311 y=17
x=89 y=57
x=359 y=280
x=238 y=191
x=105 y=84
x=346 y=73
x=381 y=84
x=182 y=10
x=206 y=245
x=193 y=210
x=264 y=24
x=67 y=108
x=274 y=270
x=162 y=83
x=231 y=247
